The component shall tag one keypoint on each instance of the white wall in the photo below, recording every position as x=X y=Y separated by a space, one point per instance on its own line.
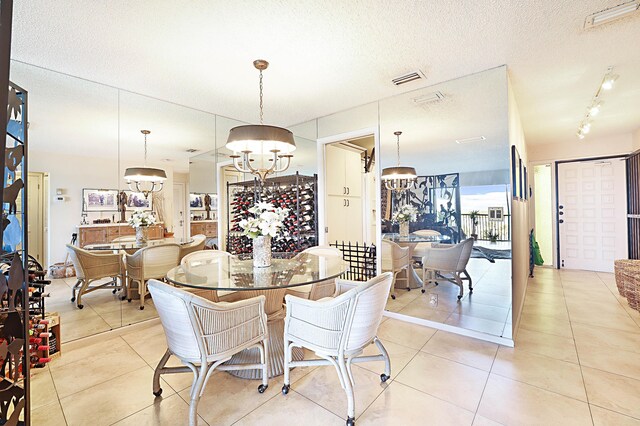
x=72 y=174
x=588 y=147
x=636 y=139
x=519 y=219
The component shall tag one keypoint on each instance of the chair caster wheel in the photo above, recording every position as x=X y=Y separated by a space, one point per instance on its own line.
x=114 y=291
x=80 y=306
x=73 y=299
x=262 y=388
x=129 y=300
x=351 y=421
x=285 y=389
x=142 y=308
x=459 y=297
x=408 y=289
x=423 y=290
x=384 y=377
x=393 y=296
x=122 y=298
x=437 y=284
x=158 y=393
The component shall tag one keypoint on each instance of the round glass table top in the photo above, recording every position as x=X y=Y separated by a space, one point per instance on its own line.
x=414 y=238
x=132 y=245
x=230 y=273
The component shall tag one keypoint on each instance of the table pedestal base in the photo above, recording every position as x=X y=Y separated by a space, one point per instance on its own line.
x=275 y=355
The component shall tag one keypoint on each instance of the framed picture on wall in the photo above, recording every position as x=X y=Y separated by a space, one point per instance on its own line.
x=99 y=200
x=526 y=184
x=520 y=182
x=196 y=201
x=214 y=202
x=137 y=201
x=495 y=214
x=515 y=173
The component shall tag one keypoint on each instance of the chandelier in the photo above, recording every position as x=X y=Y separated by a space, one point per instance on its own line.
x=261 y=139
x=399 y=178
x=145 y=179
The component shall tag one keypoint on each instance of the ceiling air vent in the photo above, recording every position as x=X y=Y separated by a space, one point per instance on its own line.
x=429 y=97
x=192 y=150
x=412 y=76
x=611 y=14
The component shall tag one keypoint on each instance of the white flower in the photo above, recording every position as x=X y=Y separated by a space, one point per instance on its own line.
x=266 y=220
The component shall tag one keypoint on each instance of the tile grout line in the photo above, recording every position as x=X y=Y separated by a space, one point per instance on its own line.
x=58 y=396
x=475 y=414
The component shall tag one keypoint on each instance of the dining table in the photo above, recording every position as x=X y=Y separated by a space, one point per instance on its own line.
x=237 y=274
x=411 y=241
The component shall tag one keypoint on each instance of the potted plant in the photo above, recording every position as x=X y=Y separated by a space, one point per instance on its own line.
x=403 y=216
x=473 y=215
x=141 y=221
x=492 y=235
x=264 y=223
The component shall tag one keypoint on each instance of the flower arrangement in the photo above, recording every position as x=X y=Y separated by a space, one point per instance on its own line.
x=406 y=213
x=267 y=220
x=142 y=218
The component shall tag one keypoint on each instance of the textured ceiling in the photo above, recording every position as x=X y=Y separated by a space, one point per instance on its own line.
x=331 y=55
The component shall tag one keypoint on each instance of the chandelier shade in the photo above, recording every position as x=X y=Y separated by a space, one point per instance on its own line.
x=145 y=179
x=399 y=178
x=260 y=139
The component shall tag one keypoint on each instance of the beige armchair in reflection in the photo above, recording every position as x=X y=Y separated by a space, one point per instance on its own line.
x=196 y=245
x=320 y=289
x=204 y=257
x=448 y=262
x=91 y=267
x=395 y=259
x=420 y=248
x=147 y=263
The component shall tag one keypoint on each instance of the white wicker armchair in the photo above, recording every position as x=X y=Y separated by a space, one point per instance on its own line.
x=210 y=257
x=420 y=248
x=91 y=267
x=395 y=259
x=320 y=289
x=147 y=263
x=194 y=246
x=448 y=262
x=338 y=329
x=204 y=335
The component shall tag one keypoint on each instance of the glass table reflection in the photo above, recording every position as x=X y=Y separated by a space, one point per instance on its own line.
x=132 y=245
x=232 y=274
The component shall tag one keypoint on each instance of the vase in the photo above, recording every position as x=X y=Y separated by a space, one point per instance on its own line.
x=262 y=251
x=404 y=229
x=142 y=234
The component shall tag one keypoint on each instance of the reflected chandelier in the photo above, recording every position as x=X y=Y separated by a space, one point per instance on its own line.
x=399 y=178
x=145 y=179
x=260 y=139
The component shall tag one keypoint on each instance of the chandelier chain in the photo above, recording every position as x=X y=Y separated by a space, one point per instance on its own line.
x=261 y=110
x=145 y=149
x=398 y=149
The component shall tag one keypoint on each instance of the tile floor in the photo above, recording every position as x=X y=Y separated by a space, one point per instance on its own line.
x=576 y=361
x=487 y=309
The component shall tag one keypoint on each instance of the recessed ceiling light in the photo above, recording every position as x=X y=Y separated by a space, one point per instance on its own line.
x=612 y=14
x=429 y=97
x=471 y=140
x=406 y=78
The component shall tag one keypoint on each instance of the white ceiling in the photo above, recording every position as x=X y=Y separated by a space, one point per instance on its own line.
x=331 y=55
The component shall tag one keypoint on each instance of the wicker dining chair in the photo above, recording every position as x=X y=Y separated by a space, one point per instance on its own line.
x=92 y=266
x=320 y=289
x=196 y=245
x=210 y=257
x=203 y=335
x=448 y=262
x=395 y=259
x=147 y=263
x=420 y=248
x=338 y=330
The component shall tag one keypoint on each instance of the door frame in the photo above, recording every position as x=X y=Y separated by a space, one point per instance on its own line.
x=554 y=208
x=341 y=137
x=185 y=222
x=42 y=213
x=557 y=186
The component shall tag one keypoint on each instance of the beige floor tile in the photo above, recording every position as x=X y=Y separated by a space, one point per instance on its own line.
x=545 y=324
x=290 y=409
x=510 y=402
x=617 y=361
x=322 y=386
x=168 y=411
x=540 y=371
x=483 y=421
x=489 y=299
x=113 y=400
x=613 y=392
x=602 y=417
x=100 y=363
x=606 y=319
x=420 y=309
x=554 y=311
x=448 y=380
x=610 y=306
x=544 y=286
x=562 y=348
x=477 y=324
x=83 y=327
x=43 y=391
x=398 y=354
x=479 y=310
x=48 y=415
x=397 y=406
x=466 y=350
x=404 y=333
x=607 y=337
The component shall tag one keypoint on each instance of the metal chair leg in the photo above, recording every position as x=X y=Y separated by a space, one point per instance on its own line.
x=157 y=390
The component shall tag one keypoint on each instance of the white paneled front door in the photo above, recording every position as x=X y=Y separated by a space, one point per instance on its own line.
x=592 y=206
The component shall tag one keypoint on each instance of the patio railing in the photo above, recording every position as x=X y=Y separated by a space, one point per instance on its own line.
x=503 y=227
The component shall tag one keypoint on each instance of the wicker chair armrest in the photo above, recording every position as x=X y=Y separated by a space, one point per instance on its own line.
x=342 y=286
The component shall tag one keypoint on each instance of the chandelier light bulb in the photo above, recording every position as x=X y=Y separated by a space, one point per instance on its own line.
x=585 y=128
x=595 y=109
x=609 y=81
x=580 y=135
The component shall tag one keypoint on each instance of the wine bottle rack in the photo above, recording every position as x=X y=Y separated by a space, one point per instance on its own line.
x=297 y=193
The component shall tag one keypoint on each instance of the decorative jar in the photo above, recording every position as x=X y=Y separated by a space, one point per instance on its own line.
x=142 y=234
x=404 y=229
x=262 y=251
